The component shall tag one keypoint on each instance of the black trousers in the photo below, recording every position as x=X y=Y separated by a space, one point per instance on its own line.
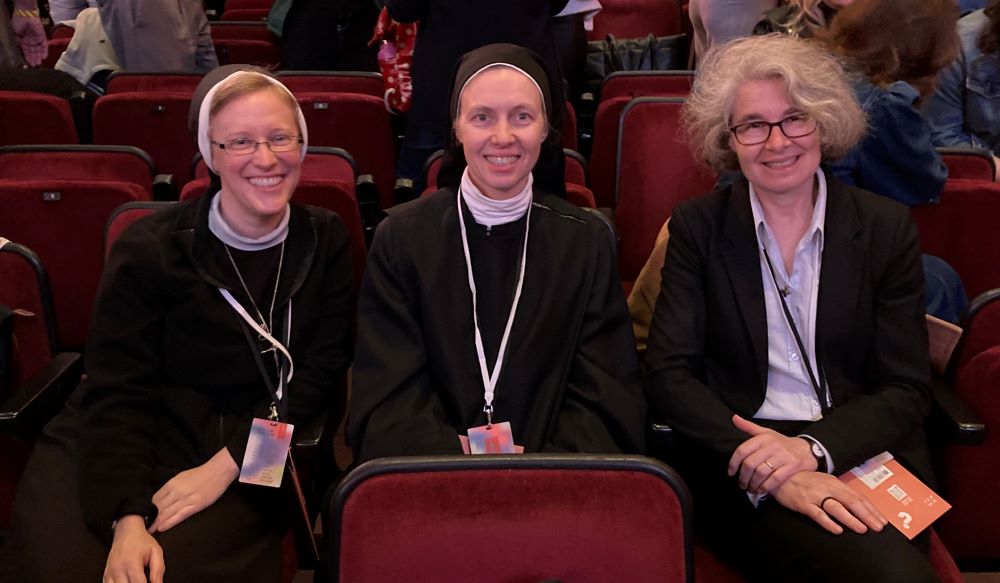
x=772 y=543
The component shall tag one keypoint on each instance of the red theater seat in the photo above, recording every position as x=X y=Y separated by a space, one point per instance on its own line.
x=63 y=221
x=154 y=121
x=969 y=163
x=363 y=82
x=492 y=519
x=39 y=378
x=636 y=18
x=35 y=118
x=656 y=171
x=359 y=124
x=79 y=162
x=132 y=82
x=969 y=475
x=961 y=229
x=647 y=84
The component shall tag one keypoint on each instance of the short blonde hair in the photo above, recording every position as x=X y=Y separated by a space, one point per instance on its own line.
x=236 y=86
x=814 y=79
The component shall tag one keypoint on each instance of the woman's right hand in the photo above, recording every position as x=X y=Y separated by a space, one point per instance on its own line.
x=132 y=550
x=823 y=498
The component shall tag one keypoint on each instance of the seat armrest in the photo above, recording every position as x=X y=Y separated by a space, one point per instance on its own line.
x=34 y=402
x=308 y=436
x=951 y=419
x=164 y=187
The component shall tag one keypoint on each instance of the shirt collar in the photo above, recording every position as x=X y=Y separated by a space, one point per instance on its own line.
x=816 y=226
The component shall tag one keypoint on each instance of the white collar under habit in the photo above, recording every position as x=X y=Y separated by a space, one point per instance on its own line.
x=490 y=212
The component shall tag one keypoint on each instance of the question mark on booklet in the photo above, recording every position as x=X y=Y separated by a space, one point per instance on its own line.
x=906 y=519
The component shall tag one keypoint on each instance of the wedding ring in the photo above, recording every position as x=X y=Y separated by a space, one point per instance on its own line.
x=769 y=465
x=824 y=502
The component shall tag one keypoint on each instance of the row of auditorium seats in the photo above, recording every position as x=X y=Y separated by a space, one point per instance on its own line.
x=655 y=171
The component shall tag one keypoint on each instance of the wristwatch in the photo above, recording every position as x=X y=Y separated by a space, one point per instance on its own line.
x=817 y=451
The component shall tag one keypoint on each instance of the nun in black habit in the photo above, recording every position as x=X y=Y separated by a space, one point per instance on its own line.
x=494 y=297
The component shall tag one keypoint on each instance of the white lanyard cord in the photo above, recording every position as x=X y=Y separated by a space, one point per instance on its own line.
x=490 y=380
x=267 y=336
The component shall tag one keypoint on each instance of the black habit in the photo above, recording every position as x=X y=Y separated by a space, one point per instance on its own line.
x=570 y=377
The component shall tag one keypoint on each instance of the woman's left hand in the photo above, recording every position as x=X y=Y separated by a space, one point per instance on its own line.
x=192 y=491
x=768 y=458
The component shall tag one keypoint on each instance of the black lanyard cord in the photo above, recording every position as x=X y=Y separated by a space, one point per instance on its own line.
x=819 y=387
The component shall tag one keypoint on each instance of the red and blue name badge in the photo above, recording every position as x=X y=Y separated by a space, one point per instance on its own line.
x=267 y=449
x=496 y=438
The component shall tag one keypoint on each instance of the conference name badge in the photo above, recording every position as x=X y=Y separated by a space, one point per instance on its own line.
x=267 y=450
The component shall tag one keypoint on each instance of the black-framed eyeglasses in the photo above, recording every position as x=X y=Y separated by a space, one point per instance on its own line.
x=757 y=132
x=246 y=146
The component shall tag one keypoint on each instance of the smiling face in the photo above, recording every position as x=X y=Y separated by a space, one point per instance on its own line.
x=255 y=187
x=781 y=166
x=501 y=126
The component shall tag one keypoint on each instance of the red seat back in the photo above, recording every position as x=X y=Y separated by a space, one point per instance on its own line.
x=242 y=30
x=647 y=83
x=636 y=18
x=969 y=163
x=969 y=475
x=603 y=153
x=27 y=117
x=127 y=214
x=63 y=221
x=154 y=121
x=244 y=4
x=57 y=46
x=569 y=129
x=262 y=53
x=363 y=82
x=980 y=329
x=129 y=82
x=245 y=14
x=359 y=124
x=961 y=229
x=79 y=162
x=24 y=286
x=656 y=171
x=576 y=168
x=447 y=519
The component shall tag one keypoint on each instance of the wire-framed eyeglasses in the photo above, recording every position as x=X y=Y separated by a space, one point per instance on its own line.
x=757 y=132
x=246 y=146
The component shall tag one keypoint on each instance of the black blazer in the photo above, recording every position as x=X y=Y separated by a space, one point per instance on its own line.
x=707 y=356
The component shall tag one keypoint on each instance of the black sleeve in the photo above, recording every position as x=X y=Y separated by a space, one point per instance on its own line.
x=122 y=394
x=603 y=409
x=899 y=396
x=676 y=385
x=395 y=408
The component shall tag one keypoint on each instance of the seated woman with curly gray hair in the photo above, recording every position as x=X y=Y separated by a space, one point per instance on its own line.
x=788 y=342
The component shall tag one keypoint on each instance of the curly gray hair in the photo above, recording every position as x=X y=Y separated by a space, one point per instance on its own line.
x=815 y=81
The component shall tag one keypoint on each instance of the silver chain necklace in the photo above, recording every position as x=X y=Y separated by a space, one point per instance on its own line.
x=274 y=296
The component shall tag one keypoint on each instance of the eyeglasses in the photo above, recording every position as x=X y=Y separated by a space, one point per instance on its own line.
x=758 y=132
x=245 y=146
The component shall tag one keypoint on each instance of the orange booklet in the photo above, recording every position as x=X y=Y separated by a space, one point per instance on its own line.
x=907 y=502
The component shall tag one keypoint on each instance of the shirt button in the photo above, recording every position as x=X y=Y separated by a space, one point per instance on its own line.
x=795 y=356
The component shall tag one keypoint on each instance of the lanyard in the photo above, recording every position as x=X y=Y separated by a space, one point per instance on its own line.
x=490 y=380
x=819 y=386
x=283 y=380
